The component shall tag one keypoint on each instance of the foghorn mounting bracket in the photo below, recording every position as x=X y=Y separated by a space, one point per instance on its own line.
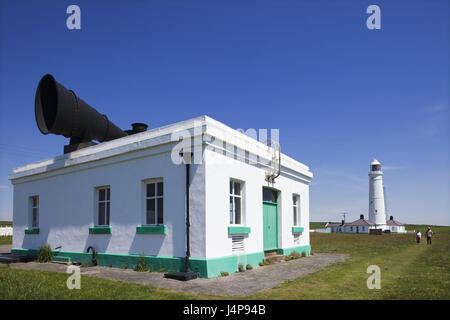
x=275 y=170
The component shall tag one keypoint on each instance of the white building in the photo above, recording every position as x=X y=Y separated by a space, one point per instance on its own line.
x=395 y=226
x=127 y=197
x=358 y=226
x=377 y=210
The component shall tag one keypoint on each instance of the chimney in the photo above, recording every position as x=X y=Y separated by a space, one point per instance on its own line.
x=392 y=218
x=361 y=216
x=137 y=127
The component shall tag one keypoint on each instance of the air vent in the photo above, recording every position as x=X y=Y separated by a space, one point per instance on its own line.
x=237 y=245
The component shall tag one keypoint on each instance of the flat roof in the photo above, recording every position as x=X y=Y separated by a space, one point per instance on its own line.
x=203 y=125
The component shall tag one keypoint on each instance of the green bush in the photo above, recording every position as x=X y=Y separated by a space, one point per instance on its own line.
x=224 y=274
x=241 y=268
x=45 y=254
x=261 y=264
x=248 y=267
x=141 y=264
x=124 y=266
x=304 y=254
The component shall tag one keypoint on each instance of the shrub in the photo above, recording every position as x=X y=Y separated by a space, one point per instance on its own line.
x=241 y=268
x=266 y=263
x=304 y=254
x=287 y=258
x=295 y=255
x=45 y=254
x=261 y=264
x=224 y=274
x=124 y=266
x=141 y=264
x=248 y=267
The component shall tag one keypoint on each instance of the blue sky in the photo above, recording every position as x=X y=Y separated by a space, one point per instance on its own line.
x=339 y=93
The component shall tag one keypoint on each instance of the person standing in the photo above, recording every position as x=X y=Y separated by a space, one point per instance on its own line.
x=429 y=234
x=418 y=237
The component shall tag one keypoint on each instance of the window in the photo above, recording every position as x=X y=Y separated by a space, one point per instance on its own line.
x=154 y=203
x=34 y=212
x=103 y=206
x=296 y=209
x=363 y=229
x=235 y=202
x=351 y=228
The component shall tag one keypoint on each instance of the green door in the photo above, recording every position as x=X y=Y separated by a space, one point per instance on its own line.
x=270 y=226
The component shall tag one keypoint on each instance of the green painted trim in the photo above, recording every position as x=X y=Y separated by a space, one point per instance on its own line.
x=156 y=229
x=100 y=230
x=299 y=249
x=207 y=268
x=297 y=229
x=268 y=202
x=32 y=231
x=212 y=267
x=238 y=230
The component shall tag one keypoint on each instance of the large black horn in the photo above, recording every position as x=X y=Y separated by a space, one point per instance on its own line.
x=59 y=111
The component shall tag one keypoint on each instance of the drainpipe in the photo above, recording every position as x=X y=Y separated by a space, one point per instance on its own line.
x=186 y=275
x=188 y=223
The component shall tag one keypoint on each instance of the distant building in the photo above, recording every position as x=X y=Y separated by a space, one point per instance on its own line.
x=358 y=226
x=377 y=210
x=363 y=226
x=395 y=226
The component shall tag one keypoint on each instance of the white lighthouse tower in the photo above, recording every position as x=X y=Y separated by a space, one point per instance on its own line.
x=377 y=210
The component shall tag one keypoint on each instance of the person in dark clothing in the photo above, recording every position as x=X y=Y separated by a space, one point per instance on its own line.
x=429 y=235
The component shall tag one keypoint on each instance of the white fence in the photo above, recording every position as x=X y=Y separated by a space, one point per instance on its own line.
x=6 y=231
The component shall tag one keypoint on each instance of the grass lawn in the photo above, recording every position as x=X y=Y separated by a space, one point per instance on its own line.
x=408 y=271
x=6 y=240
x=317 y=225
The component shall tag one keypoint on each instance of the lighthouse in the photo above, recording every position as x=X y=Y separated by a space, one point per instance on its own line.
x=377 y=210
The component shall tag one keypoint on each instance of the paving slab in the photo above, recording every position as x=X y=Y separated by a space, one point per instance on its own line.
x=5 y=248
x=236 y=284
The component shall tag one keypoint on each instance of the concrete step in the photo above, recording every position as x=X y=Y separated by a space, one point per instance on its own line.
x=274 y=258
x=270 y=253
x=62 y=259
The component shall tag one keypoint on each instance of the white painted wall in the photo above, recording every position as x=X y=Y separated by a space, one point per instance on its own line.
x=377 y=212
x=219 y=170
x=67 y=206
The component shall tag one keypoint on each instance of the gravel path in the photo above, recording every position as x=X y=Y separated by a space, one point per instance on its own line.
x=236 y=284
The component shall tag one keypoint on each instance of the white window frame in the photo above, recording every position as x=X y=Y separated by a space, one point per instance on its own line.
x=106 y=201
x=232 y=212
x=154 y=181
x=32 y=207
x=296 y=210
